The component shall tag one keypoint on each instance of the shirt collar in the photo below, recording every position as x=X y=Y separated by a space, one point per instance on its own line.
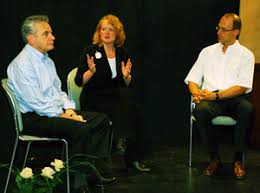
x=38 y=55
x=230 y=47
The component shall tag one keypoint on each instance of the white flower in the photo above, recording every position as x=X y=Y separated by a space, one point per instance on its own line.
x=48 y=172
x=58 y=164
x=26 y=173
x=98 y=55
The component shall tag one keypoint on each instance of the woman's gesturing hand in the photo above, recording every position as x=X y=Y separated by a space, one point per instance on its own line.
x=126 y=68
x=91 y=64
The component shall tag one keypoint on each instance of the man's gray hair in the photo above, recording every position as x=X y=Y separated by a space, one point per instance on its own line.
x=28 y=25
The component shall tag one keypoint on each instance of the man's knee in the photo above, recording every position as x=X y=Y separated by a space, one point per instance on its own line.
x=97 y=116
x=104 y=118
x=202 y=109
x=103 y=121
x=245 y=107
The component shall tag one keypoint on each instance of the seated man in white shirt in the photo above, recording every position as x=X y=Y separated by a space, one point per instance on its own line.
x=46 y=109
x=219 y=82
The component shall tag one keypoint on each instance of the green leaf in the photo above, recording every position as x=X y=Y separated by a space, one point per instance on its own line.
x=42 y=190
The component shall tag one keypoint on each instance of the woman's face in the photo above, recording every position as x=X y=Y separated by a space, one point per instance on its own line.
x=107 y=33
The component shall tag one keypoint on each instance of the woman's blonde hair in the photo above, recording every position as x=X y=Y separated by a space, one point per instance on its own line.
x=119 y=30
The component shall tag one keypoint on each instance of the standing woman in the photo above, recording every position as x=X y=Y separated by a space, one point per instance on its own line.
x=105 y=73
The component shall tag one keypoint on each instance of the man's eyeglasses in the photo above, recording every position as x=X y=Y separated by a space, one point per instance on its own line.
x=223 y=29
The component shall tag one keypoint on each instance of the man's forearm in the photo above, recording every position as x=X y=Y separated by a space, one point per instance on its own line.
x=231 y=92
x=193 y=88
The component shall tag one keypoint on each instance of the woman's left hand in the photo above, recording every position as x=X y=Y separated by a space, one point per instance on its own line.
x=126 y=68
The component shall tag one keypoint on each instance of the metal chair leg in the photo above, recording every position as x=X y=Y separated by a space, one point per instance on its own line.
x=111 y=137
x=192 y=106
x=11 y=165
x=190 y=142
x=67 y=165
x=26 y=153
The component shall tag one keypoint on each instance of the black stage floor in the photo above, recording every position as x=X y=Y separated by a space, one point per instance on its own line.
x=171 y=174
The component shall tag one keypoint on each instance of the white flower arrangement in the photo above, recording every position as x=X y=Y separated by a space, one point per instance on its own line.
x=48 y=172
x=26 y=173
x=50 y=177
x=58 y=164
x=27 y=182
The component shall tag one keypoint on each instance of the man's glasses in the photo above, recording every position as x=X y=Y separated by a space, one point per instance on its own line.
x=223 y=29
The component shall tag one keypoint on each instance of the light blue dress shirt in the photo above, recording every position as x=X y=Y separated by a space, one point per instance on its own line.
x=34 y=81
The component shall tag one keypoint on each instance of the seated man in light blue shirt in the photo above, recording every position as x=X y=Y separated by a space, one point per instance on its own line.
x=46 y=109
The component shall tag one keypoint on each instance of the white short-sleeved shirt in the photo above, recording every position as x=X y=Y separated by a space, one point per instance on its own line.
x=216 y=70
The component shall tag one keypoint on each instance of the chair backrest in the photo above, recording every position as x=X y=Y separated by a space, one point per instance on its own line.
x=14 y=106
x=73 y=89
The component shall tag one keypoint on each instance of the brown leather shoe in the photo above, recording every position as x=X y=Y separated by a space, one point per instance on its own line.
x=239 y=171
x=212 y=167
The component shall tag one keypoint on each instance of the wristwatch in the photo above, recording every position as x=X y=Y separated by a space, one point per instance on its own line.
x=217 y=96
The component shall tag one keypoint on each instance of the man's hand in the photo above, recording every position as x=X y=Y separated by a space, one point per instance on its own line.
x=196 y=99
x=203 y=95
x=198 y=96
x=71 y=114
x=209 y=96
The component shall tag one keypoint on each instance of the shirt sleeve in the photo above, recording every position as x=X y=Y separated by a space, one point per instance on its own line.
x=246 y=74
x=67 y=103
x=196 y=73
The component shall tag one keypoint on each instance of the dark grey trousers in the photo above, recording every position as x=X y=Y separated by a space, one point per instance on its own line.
x=238 y=107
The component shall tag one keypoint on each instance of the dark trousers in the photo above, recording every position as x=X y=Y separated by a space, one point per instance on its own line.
x=90 y=138
x=238 y=107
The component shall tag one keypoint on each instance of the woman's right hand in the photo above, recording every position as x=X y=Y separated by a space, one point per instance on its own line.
x=91 y=64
